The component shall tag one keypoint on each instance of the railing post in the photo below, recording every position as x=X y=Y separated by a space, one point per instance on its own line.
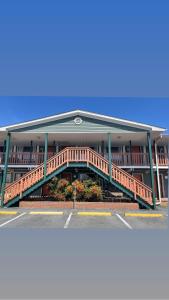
x=151 y=168
x=87 y=156
x=67 y=154
x=5 y=168
x=109 y=156
x=134 y=183
x=45 y=154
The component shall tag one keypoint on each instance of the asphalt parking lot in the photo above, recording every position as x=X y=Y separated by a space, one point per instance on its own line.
x=69 y=219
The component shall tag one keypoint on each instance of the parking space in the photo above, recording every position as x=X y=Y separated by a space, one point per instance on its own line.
x=27 y=218
x=90 y=220
x=7 y=216
x=146 y=220
x=37 y=220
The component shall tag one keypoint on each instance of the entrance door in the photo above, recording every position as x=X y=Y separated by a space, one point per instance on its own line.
x=51 y=151
x=136 y=157
x=164 y=185
x=155 y=185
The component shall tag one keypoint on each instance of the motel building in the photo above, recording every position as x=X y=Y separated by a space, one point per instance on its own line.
x=128 y=159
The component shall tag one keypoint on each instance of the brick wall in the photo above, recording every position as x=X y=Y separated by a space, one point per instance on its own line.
x=79 y=205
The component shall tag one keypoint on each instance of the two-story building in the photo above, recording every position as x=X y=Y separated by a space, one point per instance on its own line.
x=131 y=156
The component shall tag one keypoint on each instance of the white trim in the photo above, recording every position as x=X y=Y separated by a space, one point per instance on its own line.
x=86 y=114
x=122 y=167
x=20 y=166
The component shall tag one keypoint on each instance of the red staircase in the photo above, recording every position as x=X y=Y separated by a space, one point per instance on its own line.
x=78 y=155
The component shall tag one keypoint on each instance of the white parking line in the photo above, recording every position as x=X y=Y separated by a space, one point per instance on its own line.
x=13 y=219
x=68 y=221
x=124 y=221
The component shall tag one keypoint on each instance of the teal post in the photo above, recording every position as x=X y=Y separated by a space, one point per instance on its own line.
x=110 y=156
x=151 y=168
x=131 y=159
x=5 y=168
x=31 y=150
x=4 y=150
x=45 y=154
x=3 y=160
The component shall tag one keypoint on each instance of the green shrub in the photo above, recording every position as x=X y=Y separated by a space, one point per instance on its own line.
x=83 y=190
x=69 y=191
x=53 y=185
x=62 y=184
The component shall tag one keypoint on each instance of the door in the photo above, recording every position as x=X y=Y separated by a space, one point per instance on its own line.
x=51 y=151
x=135 y=154
x=155 y=185
x=162 y=186
x=45 y=190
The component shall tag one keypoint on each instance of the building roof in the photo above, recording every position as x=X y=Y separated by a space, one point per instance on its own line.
x=83 y=113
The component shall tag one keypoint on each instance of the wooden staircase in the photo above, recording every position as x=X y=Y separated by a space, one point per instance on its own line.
x=78 y=156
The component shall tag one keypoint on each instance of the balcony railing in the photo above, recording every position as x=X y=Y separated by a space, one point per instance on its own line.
x=163 y=159
x=130 y=159
x=120 y=159
x=25 y=158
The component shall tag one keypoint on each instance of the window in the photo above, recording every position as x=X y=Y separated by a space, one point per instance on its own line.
x=113 y=149
x=26 y=149
x=18 y=175
x=9 y=178
x=160 y=149
x=41 y=149
x=127 y=149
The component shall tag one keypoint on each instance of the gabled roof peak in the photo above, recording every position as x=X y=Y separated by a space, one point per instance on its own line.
x=84 y=113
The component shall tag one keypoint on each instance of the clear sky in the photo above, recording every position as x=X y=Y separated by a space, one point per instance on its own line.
x=84 y=51
x=153 y=111
x=84 y=47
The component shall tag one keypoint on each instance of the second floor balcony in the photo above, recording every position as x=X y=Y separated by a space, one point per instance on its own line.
x=120 y=159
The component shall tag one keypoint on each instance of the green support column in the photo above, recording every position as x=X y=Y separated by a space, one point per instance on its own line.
x=5 y=168
x=151 y=167
x=31 y=150
x=4 y=150
x=3 y=160
x=130 y=149
x=110 y=156
x=131 y=160
x=46 y=154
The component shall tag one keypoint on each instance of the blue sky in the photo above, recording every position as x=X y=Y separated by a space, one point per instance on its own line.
x=88 y=53
x=86 y=48
x=153 y=111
